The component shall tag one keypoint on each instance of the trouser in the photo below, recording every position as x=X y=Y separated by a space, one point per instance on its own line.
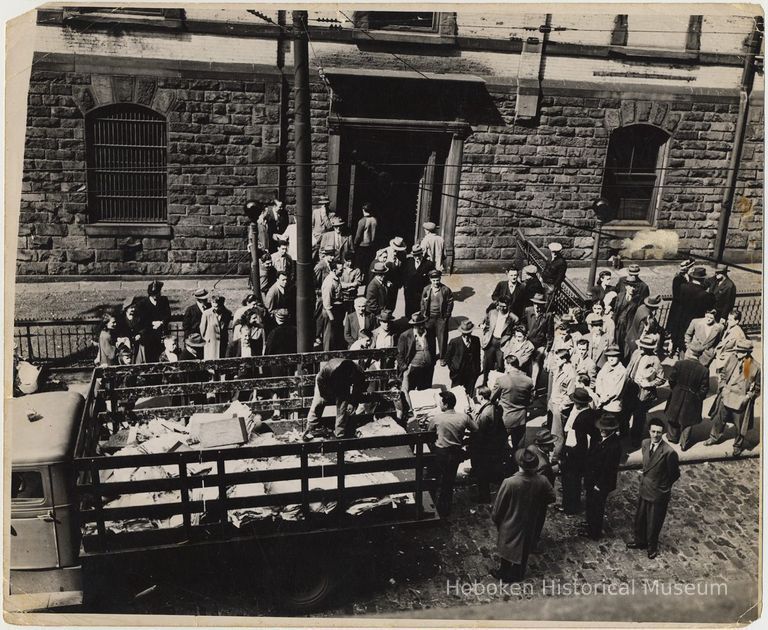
x=675 y=435
x=516 y=436
x=447 y=462
x=438 y=326
x=595 y=511
x=417 y=377
x=364 y=257
x=509 y=572
x=467 y=381
x=555 y=424
x=537 y=362
x=639 y=430
x=488 y=467
x=571 y=480
x=493 y=358
x=344 y=410
x=648 y=521
x=725 y=415
x=333 y=329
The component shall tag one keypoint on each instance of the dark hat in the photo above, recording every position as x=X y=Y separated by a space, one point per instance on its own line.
x=466 y=326
x=129 y=301
x=386 y=316
x=631 y=281
x=417 y=319
x=195 y=340
x=429 y=226
x=646 y=341
x=448 y=397
x=744 y=345
x=652 y=301
x=417 y=249
x=723 y=269
x=200 y=294
x=280 y=239
x=281 y=313
x=538 y=298
x=567 y=318
x=329 y=251
x=520 y=329
x=155 y=287
x=613 y=351
x=699 y=272
x=607 y=422
x=563 y=350
x=633 y=269
x=581 y=395
x=544 y=438
x=398 y=244
x=593 y=319
x=527 y=460
x=434 y=273
x=218 y=299
x=337 y=221
x=379 y=268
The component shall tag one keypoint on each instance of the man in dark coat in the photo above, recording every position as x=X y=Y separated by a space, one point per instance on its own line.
x=154 y=312
x=488 y=445
x=673 y=316
x=517 y=513
x=624 y=311
x=600 y=472
x=378 y=289
x=513 y=391
x=645 y=322
x=416 y=355
x=540 y=326
x=415 y=278
x=281 y=340
x=633 y=276
x=695 y=300
x=342 y=383
x=580 y=432
x=724 y=292
x=437 y=305
x=462 y=356
x=512 y=292
x=661 y=469
x=553 y=272
x=689 y=385
x=531 y=282
x=192 y=316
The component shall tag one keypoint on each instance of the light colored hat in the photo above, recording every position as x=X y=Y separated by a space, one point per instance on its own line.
x=633 y=270
x=466 y=326
x=360 y=300
x=555 y=246
x=337 y=221
x=429 y=226
x=530 y=269
x=646 y=341
x=417 y=319
x=398 y=244
x=200 y=294
x=744 y=345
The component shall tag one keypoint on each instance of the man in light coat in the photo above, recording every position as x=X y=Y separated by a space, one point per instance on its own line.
x=598 y=340
x=609 y=383
x=702 y=336
x=462 y=357
x=732 y=334
x=519 y=347
x=497 y=330
x=564 y=382
x=336 y=240
x=513 y=391
x=214 y=329
x=433 y=245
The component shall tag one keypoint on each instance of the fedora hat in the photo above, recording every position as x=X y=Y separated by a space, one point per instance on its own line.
x=386 y=316
x=613 y=351
x=652 y=301
x=527 y=460
x=555 y=246
x=538 y=298
x=593 y=319
x=417 y=250
x=633 y=270
x=744 y=345
x=155 y=287
x=699 y=272
x=322 y=199
x=398 y=244
x=195 y=340
x=429 y=226
x=379 y=268
x=200 y=294
x=280 y=239
x=723 y=269
x=128 y=302
x=544 y=438
x=337 y=221
x=607 y=422
x=646 y=341
x=466 y=326
x=530 y=269
x=417 y=319
x=581 y=395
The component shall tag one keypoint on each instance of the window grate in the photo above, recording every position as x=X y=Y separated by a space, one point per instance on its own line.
x=127 y=177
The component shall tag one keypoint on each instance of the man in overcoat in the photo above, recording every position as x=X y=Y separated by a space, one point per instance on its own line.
x=724 y=291
x=600 y=473
x=520 y=501
x=673 y=327
x=695 y=300
x=214 y=329
x=415 y=278
x=437 y=305
x=702 y=336
x=540 y=326
x=488 y=446
x=194 y=313
x=462 y=356
x=154 y=312
x=661 y=469
x=378 y=289
x=513 y=391
x=416 y=355
x=580 y=432
x=689 y=385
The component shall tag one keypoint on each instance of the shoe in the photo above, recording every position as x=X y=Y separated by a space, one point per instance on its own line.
x=710 y=442
x=635 y=545
x=737 y=452
x=652 y=553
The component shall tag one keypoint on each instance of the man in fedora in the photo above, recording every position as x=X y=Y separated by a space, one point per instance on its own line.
x=624 y=309
x=488 y=445
x=395 y=263
x=540 y=326
x=416 y=354
x=689 y=386
x=661 y=469
x=338 y=241
x=694 y=301
x=415 y=278
x=332 y=302
x=544 y=445
x=598 y=340
x=512 y=292
x=579 y=432
x=601 y=470
x=530 y=278
x=682 y=276
x=321 y=222
x=644 y=375
x=497 y=329
x=437 y=305
x=433 y=245
x=518 y=512
x=365 y=239
x=154 y=312
x=702 y=337
x=738 y=389
x=462 y=356
x=645 y=322
x=633 y=275
x=724 y=291
x=214 y=329
x=385 y=336
x=193 y=347
x=609 y=383
x=513 y=391
x=732 y=334
x=377 y=293
x=191 y=321
x=554 y=270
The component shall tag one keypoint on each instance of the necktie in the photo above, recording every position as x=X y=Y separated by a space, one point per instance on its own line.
x=653 y=448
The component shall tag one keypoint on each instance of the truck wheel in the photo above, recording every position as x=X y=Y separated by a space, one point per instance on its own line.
x=306 y=581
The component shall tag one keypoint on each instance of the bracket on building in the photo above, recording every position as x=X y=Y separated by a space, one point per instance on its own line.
x=529 y=79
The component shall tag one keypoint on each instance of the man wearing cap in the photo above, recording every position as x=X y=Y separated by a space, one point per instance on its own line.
x=633 y=275
x=462 y=356
x=433 y=245
x=553 y=272
x=365 y=238
x=191 y=321
x=580 y=432
x=336 y=240
x=518 y=513
x=540 y=326
x=415 y=278
x=437 y=305
x=332 y=301
x=644 y=375
x=519 y=347
x=323 y=267
x=598 y=341
x=531 y=282
x=451 y=427
x=282 y=261
x=645 y=322
x=378 y=290
x=601 y=470
x=342 y=383
x=488 y=446
x=702 y=336
x=738 y=389
x=385 y=337
x=321 y=222
x=694 y=301
x=609 y=382
x=513 y=391
x=564 y=382
x=543 y=445
x=356 y=321
x=512 y=292
x=416 y=354
x=497 y=329
x=154 y=312
x=724 y=291
x=661 y=469
x=214 y=329
x=278 y=295
x=689 y=385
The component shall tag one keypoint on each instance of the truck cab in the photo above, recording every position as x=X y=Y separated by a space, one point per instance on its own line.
x=44 y=536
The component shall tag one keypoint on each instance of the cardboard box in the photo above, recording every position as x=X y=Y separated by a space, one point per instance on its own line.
x=217 y=430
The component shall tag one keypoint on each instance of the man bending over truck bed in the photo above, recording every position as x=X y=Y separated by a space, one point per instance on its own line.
x=339 y=382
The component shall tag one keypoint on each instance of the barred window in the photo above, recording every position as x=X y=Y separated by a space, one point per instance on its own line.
x=126 y=157
x=401 y=20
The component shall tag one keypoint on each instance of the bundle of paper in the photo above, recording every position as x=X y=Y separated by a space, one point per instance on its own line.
x=381 y=426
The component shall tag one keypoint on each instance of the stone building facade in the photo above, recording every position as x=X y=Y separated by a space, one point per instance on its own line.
x=146 y=133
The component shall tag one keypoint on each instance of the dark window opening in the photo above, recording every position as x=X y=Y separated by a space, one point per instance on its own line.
x=26 y=486
x=633 y=171
x=401 y=20
x=126 y=155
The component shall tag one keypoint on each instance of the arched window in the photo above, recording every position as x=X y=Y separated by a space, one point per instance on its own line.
x=126 y=155
x=634 y=171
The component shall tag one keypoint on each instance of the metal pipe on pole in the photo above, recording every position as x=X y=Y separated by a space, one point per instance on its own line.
x=305 y=293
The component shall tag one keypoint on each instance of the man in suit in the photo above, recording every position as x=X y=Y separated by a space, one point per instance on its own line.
x=600 y=472
x=356 y=321
x=598 y=341
x=415 y=278
x=627 y=303
x=645 y=322
x=633 y=276
x=735 y=402
x=519 y=346
x=553 y=272
x=564 y=382
x=689 y=385
x=377 y=291
x=513 y=391
x=279 y=295
x=154 y=312
x=488 y=446
x=266 y=227
x=661 y=469
x=416 y=355
x=541 y=332
x=336 y=240
x=385 y=336
x=581 y=361
x=580 y=432
x=512 y=292
x=695 y=300
x=332 y=313
x=437 y=305
x=675 y=308
x=282 y=261
x=702 y=336
x=321 y=222
x=724 y=291
x=323 y=267
x=462 y=356
x=732 y=334
x=192 y=316
x=214 y=329
x=497 y=329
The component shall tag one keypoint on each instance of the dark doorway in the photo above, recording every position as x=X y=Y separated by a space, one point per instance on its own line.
x=399 y=172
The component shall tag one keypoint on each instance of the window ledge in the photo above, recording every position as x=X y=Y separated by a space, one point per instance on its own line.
x=629 y=226
x=154 y=230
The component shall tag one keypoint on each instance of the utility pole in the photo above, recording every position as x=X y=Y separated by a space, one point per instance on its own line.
x=305 y=294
